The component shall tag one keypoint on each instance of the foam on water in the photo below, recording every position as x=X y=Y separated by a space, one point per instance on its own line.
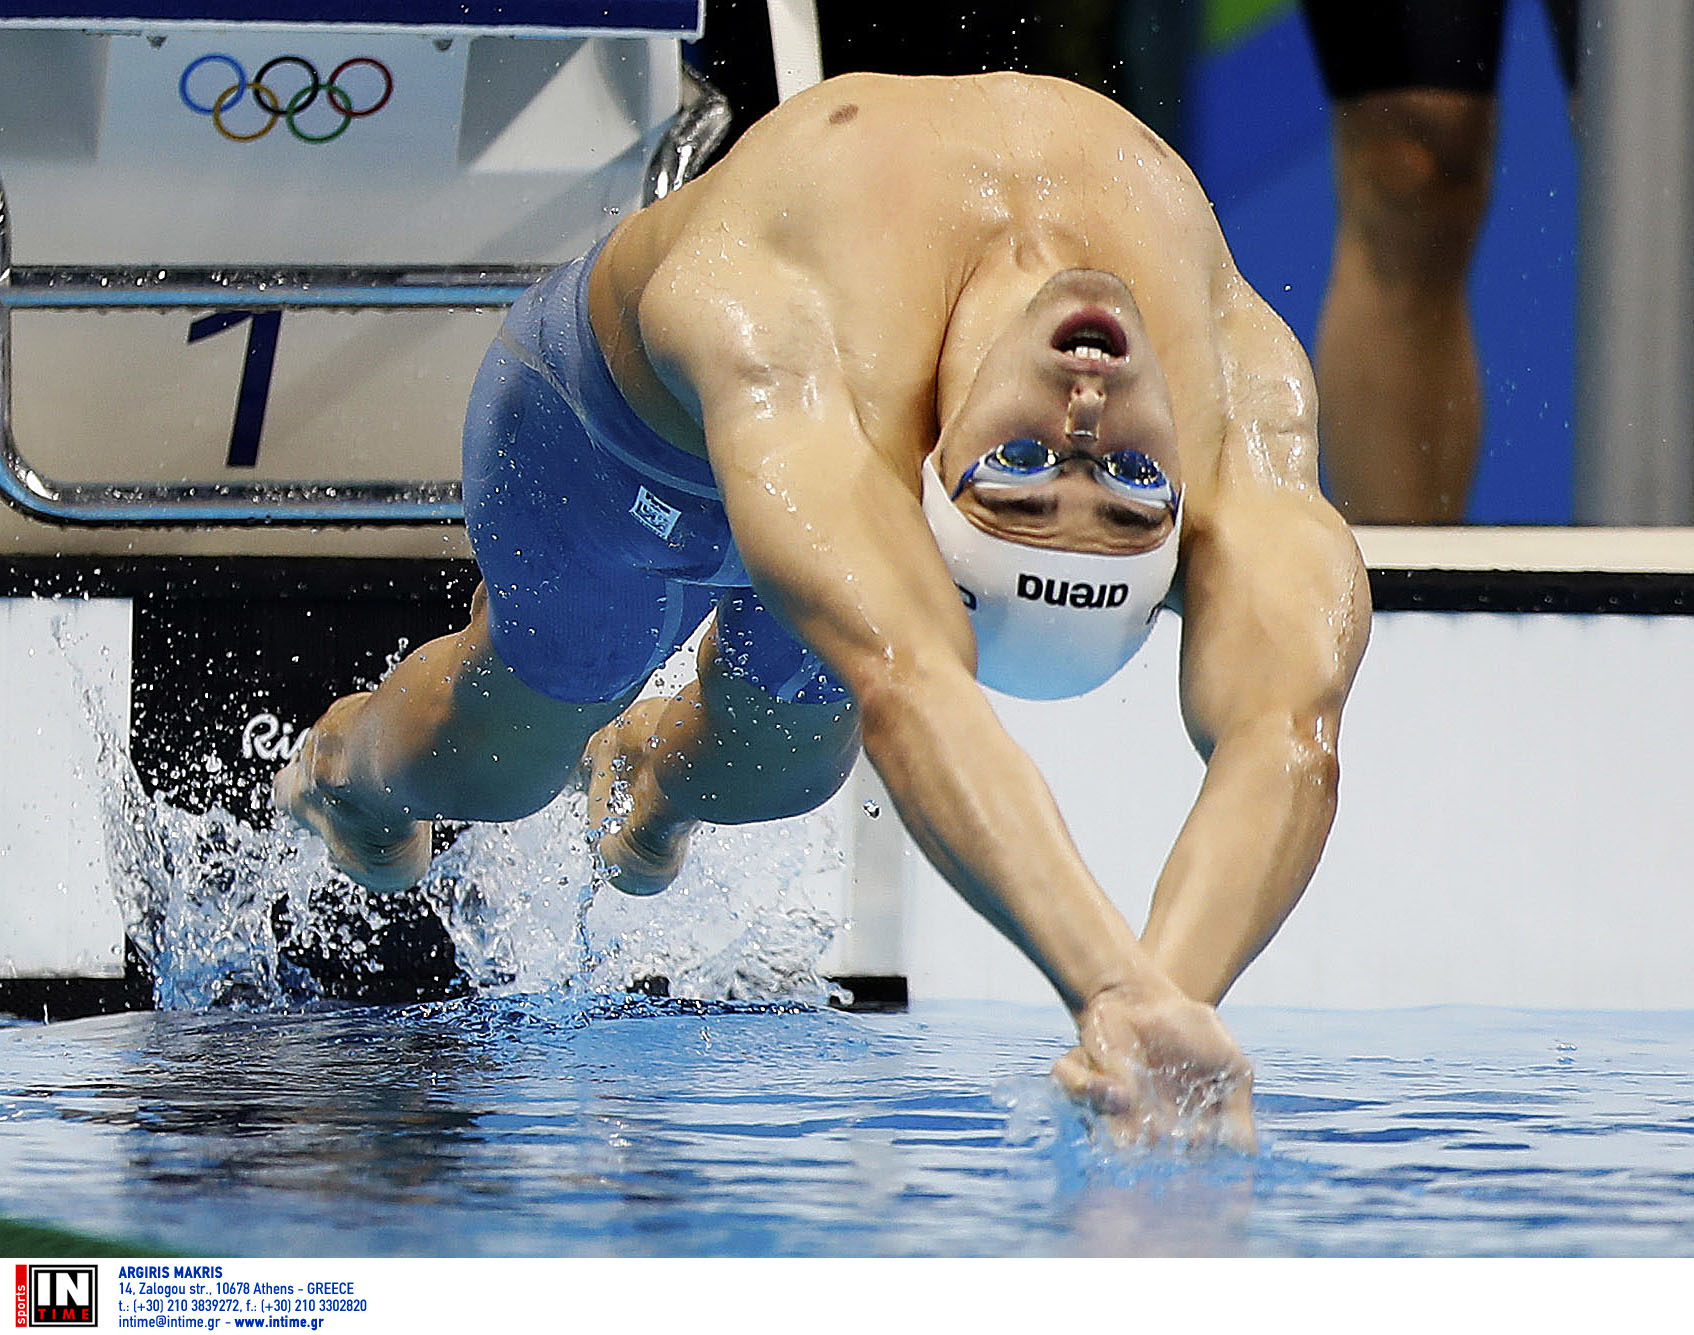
x=743 y=920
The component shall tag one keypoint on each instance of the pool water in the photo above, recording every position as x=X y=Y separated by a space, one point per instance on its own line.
x=561 y=1126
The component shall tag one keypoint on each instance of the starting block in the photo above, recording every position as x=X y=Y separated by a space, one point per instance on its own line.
x=250 y=254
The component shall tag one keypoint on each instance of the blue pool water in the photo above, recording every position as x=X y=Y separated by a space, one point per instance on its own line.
x=541 y=1125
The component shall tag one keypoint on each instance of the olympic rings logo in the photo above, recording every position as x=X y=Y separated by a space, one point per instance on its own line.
x=274 y=106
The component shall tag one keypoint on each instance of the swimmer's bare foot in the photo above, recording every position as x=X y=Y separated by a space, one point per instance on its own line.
x=315 y=790
x=640 y=845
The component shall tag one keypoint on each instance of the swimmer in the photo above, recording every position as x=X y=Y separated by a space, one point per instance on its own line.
x=929 y=382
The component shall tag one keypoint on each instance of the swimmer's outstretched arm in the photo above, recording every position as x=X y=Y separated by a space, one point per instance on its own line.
x=1276 y=613
x=867 y=589
x=832 y=532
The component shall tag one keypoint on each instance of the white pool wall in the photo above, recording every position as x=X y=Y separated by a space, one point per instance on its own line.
x=1511 y=829
x=59 y=912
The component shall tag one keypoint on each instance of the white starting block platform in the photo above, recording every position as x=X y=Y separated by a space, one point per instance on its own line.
x=250 y=256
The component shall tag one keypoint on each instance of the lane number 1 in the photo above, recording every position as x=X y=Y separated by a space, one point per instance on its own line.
x=256 y=371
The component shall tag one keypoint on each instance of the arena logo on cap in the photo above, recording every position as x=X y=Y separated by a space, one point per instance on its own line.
x=57 y=1295
x=1066 y=593
x=289 y=103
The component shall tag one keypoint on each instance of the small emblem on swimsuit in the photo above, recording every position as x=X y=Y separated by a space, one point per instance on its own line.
x=654 y=513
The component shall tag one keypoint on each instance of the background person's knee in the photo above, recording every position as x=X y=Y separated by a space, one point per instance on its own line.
x=1414 y=171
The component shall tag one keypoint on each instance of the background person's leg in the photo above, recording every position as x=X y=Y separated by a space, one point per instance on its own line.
x=1399 y=390
x=451 y=732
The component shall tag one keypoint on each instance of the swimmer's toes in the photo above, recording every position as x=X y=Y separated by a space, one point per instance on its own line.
x=385 y=867
x=377 y=863
x=603 y=764
x=635 y=869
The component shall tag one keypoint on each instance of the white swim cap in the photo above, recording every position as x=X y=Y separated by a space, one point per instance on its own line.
x=1048 y=623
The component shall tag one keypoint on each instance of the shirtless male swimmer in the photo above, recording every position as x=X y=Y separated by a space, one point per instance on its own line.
x=928 y=380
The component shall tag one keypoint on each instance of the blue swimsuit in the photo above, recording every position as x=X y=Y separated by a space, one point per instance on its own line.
x=602 y=545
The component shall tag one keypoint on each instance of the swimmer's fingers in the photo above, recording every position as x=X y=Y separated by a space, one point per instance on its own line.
x=1224 y=1120
x=1127 y=1098
x=1235 y=1119
x=1161 y=1069
x=1138 y=1113
x=1121 y=1087
x=1108 y=1072
x=1078 y=1078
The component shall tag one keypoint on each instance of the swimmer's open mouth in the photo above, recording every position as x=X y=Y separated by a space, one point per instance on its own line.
x=1091 y=335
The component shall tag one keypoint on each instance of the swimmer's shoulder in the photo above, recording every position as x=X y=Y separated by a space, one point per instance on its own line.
x=957 y=99
x=867 y=153
x=827 y=179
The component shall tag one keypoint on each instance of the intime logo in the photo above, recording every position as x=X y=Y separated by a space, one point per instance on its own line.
x=56 y=1295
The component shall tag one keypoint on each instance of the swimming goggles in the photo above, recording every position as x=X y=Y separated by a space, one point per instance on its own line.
x=1027 y=463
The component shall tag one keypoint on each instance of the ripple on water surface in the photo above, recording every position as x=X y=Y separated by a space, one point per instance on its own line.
x=551 y=1124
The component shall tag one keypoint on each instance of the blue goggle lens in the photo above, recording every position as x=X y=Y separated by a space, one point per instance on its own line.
x=1021 y=456
x=1022 y=462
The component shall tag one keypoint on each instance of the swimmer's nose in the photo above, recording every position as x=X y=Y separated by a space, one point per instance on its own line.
x=1083 y=413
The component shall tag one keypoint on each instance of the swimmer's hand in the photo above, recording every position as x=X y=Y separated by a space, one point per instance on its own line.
x=316 y=791
x=1159 y=1071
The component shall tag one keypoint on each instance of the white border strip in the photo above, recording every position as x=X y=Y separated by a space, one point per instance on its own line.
x=1644 y=550
x=795 y=45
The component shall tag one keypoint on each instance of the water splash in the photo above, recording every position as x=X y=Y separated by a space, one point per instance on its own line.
x=746 y=919
x=221 y=908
